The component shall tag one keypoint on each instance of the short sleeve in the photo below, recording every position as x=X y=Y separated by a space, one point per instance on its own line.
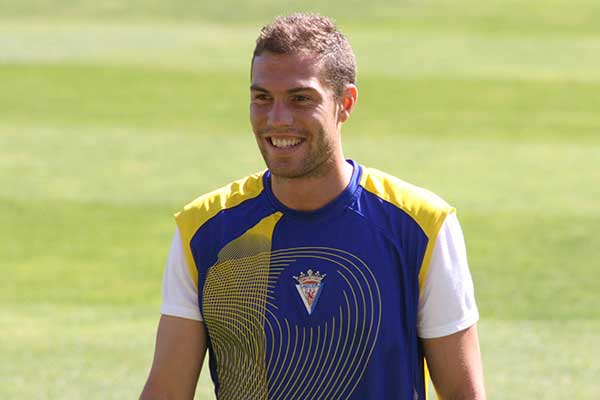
x=180 y=293
x=447 y=302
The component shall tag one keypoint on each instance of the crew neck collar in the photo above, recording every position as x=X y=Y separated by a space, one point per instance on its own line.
x=334 y=206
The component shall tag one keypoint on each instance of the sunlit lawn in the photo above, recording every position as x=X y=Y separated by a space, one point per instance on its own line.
x=111 y=119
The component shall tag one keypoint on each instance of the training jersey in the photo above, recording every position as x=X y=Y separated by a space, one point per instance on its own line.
x=323 y=304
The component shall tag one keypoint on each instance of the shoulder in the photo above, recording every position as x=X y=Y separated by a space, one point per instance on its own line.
x=425 y=207
x=210 y=204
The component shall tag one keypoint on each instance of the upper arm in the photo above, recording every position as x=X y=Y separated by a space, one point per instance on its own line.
x=181 y=337
x=455 y=366
x=178 y=356
x=447 y=299
x=447 y=317
x=179 y=288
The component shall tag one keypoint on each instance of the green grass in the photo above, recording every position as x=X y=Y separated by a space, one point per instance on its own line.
x=115 y=114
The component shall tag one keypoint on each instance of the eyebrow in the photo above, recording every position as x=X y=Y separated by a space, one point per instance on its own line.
x=258 y=88
x=293 y=90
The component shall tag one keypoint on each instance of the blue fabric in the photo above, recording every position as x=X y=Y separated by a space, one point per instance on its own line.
x=359 y=341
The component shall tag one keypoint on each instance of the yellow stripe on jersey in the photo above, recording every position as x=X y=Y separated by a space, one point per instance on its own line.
x=196 y=213
x=236 y=294
x=428 y=210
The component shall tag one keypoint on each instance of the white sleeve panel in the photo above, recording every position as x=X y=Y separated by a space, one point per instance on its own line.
x=180 y=294
x=447 y=303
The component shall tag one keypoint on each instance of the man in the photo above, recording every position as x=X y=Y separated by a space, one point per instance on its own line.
x=318 y=278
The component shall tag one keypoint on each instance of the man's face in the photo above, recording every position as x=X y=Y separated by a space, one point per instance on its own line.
x=294 y=116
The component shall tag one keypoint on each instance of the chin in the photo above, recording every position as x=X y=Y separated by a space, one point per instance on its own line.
x=297 y=171
x=286 y=172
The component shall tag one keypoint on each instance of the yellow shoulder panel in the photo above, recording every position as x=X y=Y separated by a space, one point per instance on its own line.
x=196 y=213
x=427 y=209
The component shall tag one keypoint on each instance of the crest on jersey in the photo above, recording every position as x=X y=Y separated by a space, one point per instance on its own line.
x=310 y=285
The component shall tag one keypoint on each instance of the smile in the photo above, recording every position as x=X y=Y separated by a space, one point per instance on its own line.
x=285 y=143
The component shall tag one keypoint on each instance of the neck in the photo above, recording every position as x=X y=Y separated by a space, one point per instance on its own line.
x=313 y=192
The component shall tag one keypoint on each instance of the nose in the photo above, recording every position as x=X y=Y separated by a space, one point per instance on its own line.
x=280 y=115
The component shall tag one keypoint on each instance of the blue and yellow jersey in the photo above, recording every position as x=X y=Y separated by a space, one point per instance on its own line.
x=313 y=305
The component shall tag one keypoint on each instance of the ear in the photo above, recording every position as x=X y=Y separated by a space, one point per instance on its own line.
x=347 y=102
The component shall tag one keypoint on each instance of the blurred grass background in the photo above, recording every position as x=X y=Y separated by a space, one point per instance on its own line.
x=115 y=114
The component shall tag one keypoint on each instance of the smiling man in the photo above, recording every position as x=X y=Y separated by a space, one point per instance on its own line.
x=318 y=278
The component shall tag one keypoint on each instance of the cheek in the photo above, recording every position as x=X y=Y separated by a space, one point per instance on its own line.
x=316 y=116
x=256 y=116
x=324 y=120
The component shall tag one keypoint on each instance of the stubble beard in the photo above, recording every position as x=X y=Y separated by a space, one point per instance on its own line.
x=318 y=162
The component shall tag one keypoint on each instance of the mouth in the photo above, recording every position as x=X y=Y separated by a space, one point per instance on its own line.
x=285 y=142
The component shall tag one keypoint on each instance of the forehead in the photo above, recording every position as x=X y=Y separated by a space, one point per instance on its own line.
x=281 y=72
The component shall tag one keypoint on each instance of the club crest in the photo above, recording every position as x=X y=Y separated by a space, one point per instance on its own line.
x=309 y=287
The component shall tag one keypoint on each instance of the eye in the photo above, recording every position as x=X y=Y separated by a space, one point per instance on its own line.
x=300 y=98
x=261 y=97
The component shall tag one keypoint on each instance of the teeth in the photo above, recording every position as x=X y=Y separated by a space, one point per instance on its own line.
x=283 y=143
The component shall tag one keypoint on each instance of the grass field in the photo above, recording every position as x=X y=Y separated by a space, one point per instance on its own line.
x=115 y=114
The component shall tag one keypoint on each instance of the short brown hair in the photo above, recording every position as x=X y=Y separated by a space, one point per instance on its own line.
x=314 y=34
